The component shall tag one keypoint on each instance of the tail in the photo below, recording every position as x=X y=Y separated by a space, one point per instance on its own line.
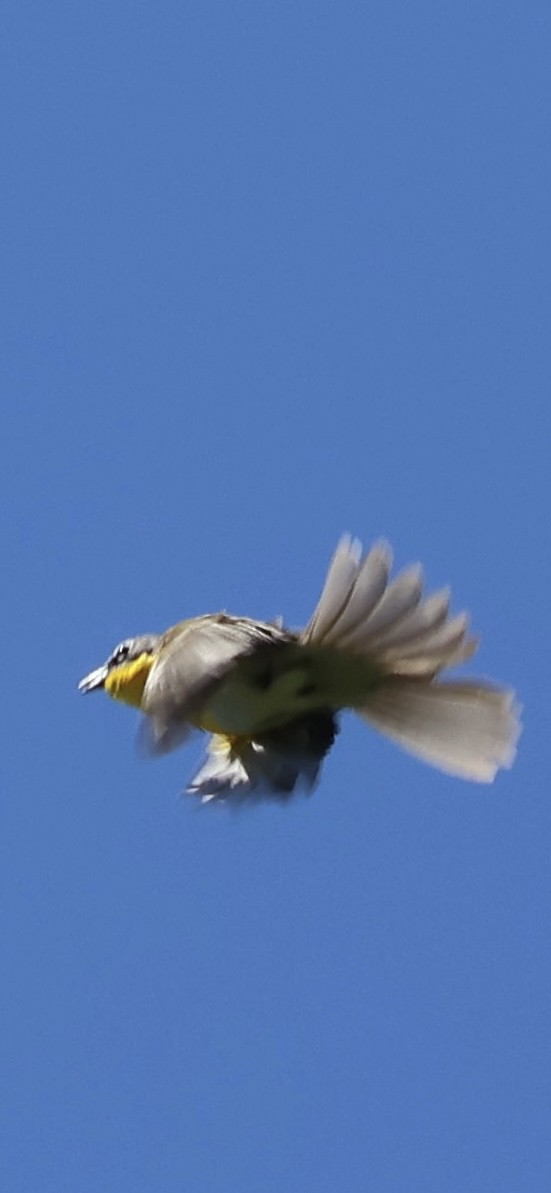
x=275 y=766
x=466 y=728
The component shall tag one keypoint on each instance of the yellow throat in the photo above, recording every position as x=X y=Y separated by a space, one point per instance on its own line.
x=127 y=682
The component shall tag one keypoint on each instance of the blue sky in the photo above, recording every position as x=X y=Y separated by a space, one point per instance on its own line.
x=271 y=272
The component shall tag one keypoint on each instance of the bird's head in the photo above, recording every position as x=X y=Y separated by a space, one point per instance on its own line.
x=124 y=674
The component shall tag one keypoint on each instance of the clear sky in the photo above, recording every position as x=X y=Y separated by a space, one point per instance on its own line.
x=270 y=272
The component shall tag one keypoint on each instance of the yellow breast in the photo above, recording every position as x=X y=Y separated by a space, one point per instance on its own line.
x=127 y=682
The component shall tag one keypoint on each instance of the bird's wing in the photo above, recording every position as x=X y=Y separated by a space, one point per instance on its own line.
x=353 y=588
x=361 y=611
x=190 y=666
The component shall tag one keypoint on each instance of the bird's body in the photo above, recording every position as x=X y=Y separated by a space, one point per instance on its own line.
x=270 y=696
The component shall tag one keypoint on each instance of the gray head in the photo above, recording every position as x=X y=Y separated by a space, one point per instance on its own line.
x=125 y=652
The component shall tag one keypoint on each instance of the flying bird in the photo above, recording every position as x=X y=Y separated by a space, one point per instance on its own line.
x=270 y=697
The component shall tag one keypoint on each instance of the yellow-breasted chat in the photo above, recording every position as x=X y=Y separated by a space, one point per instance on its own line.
x=270 y=696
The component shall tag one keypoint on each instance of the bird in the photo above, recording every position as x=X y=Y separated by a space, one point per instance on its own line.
x=271 y=697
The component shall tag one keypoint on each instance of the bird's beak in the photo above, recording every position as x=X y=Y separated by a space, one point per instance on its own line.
x=94 y=680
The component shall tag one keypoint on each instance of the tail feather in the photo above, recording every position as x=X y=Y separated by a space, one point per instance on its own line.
x=466 y=728
x=378 y=647
x=469 y=728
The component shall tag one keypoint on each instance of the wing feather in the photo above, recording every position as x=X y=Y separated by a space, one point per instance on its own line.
x=195 y=659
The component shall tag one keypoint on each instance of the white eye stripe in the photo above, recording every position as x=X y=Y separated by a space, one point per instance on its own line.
x=120 y=654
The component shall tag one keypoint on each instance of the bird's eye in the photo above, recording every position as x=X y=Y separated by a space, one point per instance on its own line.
x=120 y=654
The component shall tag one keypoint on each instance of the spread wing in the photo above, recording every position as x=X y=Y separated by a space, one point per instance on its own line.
x=196 y=657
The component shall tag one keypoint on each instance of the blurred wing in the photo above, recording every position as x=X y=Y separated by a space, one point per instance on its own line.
x=153 y=739
x=190 y=667
x=361 y=611
x=353 y=589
